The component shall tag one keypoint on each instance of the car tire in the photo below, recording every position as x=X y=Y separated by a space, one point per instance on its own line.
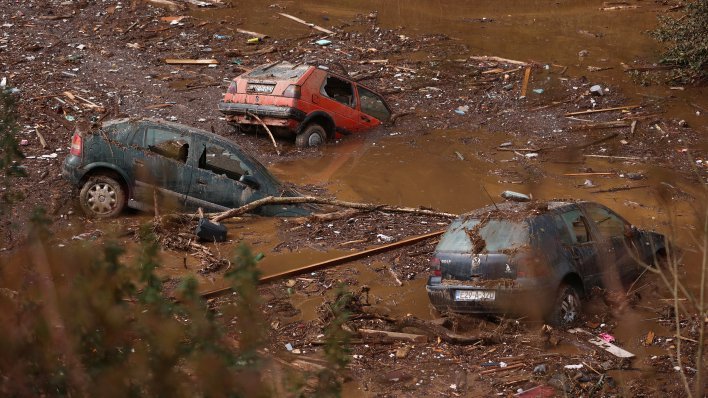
x=312 y=135
x=102 y=196
x=566 y=307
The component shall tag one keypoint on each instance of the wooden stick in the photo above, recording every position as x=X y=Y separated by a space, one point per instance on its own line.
x=41 y=138
x=329 y=263
x=272 y=200
x=174 y=61
x=495 y=370
x=618 y=108
x=313 y=26
x=267 y=130
x=250 y=33
x=525 y=84
x=603 y=125
x=497 y=59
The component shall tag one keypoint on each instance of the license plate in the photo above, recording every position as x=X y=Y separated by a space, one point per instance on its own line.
x=260 y=88
x=475 y=295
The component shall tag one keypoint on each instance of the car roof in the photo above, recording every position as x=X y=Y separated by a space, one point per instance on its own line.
x=279 y=70
x=519 y=211
x=178 y=126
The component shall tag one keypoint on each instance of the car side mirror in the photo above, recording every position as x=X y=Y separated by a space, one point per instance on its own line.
x=249 y=180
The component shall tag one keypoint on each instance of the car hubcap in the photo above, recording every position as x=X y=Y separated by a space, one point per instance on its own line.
x=314 y=140
x=569 y=308
x=101 y=198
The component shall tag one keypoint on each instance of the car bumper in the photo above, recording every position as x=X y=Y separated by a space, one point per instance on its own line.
x=262 y=111
x=507 y=300
x=71 y=170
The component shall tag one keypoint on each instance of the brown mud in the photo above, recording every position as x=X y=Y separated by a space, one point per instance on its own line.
x=112 y=53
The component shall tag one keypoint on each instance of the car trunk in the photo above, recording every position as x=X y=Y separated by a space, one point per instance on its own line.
x=474 y=251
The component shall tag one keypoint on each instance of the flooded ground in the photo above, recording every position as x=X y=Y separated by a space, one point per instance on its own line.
x=439 y=160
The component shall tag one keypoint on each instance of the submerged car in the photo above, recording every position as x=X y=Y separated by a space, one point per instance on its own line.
x=310 y=103
x=133 y=163
x=536 y=258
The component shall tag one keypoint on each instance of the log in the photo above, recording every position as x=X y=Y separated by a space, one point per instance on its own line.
x=496 y=370
x=328 y=263
x=272 y=200
x=603 y=125
x=613 y=157
x=311 y=25
x=396 y=336
x=497 y=59
x=618 y=108
x=588 y=174
x=433 y=330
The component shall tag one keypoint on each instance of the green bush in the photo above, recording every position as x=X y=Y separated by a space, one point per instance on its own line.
x=687 y=40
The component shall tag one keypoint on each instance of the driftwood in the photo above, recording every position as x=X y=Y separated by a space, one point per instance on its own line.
x=250 y=33
x=175 y=61
x=618 y=108
x=525 y=84
x=603 y=125
x=434 y=330
x=396 y=336
x=272 y=200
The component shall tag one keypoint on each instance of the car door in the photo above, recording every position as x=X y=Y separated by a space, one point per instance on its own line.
x=158 y=156
x=217 y=173
x=611 y=230
x=374 y=110
x=581 y=246
x=337 y=96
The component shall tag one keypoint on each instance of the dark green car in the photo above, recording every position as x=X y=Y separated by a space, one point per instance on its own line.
x=138 y=163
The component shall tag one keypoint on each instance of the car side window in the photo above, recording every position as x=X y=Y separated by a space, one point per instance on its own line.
x=339 y=90
x=168 y=143
x=577 y=225
x=220 y=160
x=373 y=105
x=608 y=224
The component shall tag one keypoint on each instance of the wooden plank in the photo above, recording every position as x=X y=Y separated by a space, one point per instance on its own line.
x=525 y=84
x=313 y=26
x=611 y=348
x=413 y=338
x=175 y=61
x=617 y=108
x=588 y=174
x=496 y=370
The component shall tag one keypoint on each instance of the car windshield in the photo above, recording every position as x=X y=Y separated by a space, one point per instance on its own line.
x=496 y=236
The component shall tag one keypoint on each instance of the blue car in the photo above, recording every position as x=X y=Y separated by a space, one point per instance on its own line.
x=137 y=163
x=536 y=258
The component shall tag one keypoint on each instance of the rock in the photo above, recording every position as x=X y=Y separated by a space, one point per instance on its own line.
x=635 y=176
x=540 y=369
x=583 y=53
x=683 y=123
x=597 y=90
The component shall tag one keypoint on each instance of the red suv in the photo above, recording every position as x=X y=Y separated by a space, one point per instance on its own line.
x=312 y=103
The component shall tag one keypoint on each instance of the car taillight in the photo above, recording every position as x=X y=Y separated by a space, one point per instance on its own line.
x=435 y=266
x=77 y=144
x=232 y=88
x=292 y=91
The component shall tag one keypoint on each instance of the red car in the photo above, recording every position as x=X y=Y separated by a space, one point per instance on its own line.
x=311 y=103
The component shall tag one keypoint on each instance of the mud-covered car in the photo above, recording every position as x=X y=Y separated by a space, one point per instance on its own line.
x=310 y=103
x=536 y=259
x=134 y=162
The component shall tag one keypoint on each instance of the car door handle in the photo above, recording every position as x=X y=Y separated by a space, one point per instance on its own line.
x=201 y=182
x=366 y=119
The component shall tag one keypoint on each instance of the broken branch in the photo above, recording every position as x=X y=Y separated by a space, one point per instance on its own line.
x=267 y=130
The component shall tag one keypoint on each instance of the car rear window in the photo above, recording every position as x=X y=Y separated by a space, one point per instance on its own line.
x=497 y=235
x=279 y=71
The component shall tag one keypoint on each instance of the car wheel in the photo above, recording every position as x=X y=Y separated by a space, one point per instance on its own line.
x=313 y=135
x=102 y=197
x=566 y=308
